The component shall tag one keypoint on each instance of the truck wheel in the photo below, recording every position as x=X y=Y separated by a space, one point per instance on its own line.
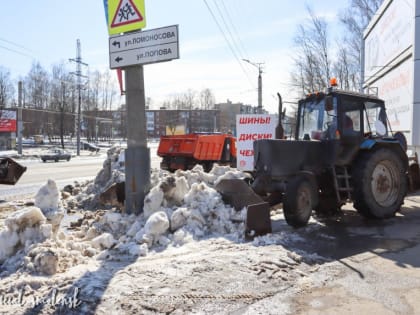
x=298 y=201
x=379 y=183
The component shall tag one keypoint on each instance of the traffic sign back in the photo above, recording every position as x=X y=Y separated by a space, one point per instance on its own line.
x=125 y=16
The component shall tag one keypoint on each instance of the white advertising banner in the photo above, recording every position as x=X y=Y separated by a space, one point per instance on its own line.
x=396 y=89
x=250 y=128
x=390 y=36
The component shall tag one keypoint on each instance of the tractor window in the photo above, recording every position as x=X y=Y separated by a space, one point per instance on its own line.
x=315 y=121
x=351 y=122
x=373 y=113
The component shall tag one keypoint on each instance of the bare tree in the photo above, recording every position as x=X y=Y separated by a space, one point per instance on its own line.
x=207 y=99
x=7 y=90
x=109 y=90
x=177 y=102
x=95 y=86
x=149 y=102
x=355 y=19
x=343 y=69
x=189 y=99
x=37 y=86
x=312 y=61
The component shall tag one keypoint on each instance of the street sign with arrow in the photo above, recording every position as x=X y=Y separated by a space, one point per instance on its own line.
x=144 y=47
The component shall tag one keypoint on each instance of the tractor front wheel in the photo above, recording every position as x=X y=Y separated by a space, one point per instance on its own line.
x=299 y=200
x=380 y=183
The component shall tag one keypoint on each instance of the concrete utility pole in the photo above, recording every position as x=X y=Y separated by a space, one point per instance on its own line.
x=19 y=117
x=258 y=65
x=79 y=75
x=137 y=154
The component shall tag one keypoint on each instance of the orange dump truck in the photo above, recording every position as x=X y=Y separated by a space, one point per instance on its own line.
x=185 y=151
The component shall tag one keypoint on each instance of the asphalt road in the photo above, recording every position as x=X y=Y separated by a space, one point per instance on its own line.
x=78 y=168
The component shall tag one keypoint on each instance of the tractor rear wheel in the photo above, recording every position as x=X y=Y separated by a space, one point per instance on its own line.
x=299 y=201
x=379 y=183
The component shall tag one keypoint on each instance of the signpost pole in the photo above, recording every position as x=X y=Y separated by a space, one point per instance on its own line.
x=19 y=117
x=137 y=155
x=130 y=52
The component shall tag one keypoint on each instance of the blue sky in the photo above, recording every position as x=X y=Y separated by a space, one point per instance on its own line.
x=46 y=30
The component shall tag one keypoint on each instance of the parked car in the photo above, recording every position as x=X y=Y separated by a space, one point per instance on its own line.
x=55 y=155
x=88 y=146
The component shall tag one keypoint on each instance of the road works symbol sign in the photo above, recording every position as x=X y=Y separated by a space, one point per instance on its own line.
x=125 y=16
x=144 y=47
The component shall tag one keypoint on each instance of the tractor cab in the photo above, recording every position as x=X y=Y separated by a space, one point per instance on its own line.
x=343 y=117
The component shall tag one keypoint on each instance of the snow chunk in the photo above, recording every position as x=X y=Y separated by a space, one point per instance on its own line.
x=174 y=190
x=179 y=218
x=46 y=262
x=24 y=218
x=48 y=200
x=137 y=250
x=23 y=228
x=105 y=240
x=48 y=197
x=232 y=174
x=157 y=224
x=153 y=201
x=135 y=227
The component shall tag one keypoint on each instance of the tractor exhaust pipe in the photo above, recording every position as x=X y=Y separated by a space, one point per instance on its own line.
x=279 y=128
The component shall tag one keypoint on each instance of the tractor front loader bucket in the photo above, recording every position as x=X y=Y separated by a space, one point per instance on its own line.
x=238 y=194
x=10 y=171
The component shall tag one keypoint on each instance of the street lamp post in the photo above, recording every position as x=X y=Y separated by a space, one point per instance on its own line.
x=258 y=65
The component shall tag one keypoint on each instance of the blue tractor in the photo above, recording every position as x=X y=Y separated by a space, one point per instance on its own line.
x=343 y=151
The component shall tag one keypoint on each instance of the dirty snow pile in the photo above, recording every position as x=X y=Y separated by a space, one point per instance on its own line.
x=86 y=195
x=180 y=207
x=32 y=225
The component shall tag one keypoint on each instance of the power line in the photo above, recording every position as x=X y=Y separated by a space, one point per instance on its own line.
x=227 y=41
x=228 y=29
x=15 y=44
x=17 y=52
x=234 y=29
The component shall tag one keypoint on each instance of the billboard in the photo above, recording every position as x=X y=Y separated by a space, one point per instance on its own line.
x=389 y=35
x=7 y=120
x=396 y=89
x=250 y=128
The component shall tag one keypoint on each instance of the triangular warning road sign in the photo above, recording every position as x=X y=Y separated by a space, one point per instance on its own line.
x=126 y=13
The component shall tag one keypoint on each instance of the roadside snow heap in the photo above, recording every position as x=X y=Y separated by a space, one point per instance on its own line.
x=33 y=225
x=179 y=208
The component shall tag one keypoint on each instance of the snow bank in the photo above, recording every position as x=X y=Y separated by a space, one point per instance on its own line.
x=180 y=207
